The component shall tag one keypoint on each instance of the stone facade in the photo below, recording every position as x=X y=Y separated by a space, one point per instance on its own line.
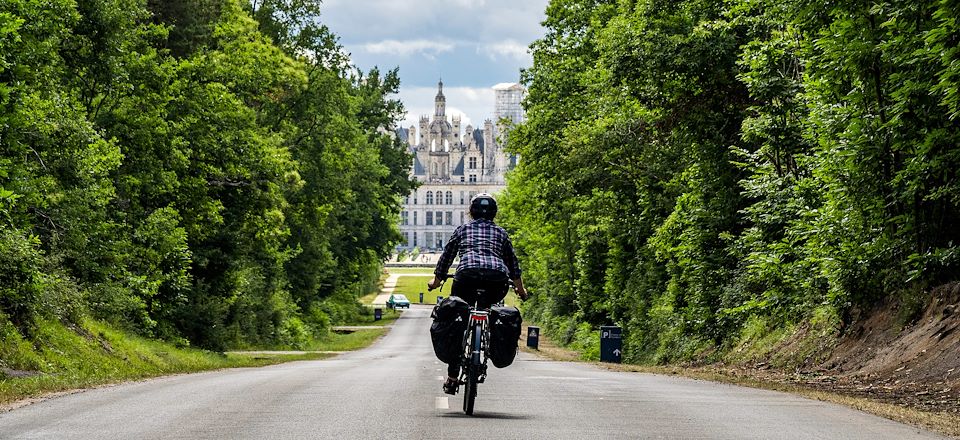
x=452 y=166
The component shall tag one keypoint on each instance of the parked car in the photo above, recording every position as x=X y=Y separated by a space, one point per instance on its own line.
x=398 y=300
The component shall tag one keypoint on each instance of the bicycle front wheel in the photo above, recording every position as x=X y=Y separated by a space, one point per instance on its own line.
x=473 y=372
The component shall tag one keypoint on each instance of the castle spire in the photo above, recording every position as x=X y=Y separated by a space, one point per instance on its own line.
x=440 y=102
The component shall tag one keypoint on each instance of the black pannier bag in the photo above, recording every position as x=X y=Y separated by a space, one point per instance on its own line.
x=450 y=319
x=505 y=324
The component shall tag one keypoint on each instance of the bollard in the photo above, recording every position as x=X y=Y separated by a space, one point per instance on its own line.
x=610 y=343
x=377 y=314
x=421 y=297
x=533 y=337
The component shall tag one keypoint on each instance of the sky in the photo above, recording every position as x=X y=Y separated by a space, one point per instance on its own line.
x=471 y=44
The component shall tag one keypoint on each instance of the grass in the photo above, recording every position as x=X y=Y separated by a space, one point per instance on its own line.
x=368 y=298
x=412 y=285
x=349 y=341
x=367 y=320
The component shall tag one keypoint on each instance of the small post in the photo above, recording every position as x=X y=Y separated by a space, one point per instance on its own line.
x=533 y=337
x=377 y=314
x=421 y=297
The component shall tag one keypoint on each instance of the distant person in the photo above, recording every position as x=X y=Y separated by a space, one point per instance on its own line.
x=487 y=261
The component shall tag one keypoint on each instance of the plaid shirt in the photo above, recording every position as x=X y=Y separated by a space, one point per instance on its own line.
x=480 y=244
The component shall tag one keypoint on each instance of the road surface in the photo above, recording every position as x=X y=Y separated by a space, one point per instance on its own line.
x=392 y=390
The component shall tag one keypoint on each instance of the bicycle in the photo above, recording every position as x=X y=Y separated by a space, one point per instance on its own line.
x=475 y=352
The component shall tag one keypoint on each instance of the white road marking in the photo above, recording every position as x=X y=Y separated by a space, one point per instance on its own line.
x=443 y=403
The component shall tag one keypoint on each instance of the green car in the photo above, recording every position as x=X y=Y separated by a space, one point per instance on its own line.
x=397 y=301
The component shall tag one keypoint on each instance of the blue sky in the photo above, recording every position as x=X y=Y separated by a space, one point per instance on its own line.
x=473 y=44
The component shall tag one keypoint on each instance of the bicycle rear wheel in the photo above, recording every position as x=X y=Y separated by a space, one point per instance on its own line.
x=473 y=372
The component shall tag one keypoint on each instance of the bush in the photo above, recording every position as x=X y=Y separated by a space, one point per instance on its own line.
x=20 y=279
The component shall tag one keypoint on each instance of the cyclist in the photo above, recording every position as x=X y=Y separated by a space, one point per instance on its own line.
x=487 y=261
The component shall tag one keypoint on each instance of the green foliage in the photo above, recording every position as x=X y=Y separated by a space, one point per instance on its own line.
x=709 y=173
x=20 y=284
x=207 y=172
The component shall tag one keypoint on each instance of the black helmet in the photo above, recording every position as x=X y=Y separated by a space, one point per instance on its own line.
x=483 y=205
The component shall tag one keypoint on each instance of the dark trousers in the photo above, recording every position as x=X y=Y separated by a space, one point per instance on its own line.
x=466 y=284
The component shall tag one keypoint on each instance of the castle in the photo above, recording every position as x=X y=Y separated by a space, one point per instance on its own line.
x=452 y=166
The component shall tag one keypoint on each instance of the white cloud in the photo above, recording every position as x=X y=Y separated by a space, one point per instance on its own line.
x=464 y=117
x=505 y=49
x=473 y=42
x=404 y=48
x=471 y=3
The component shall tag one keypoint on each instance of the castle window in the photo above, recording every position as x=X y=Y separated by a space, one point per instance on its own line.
x=473 y=178
x=449 y=217
x=449 y=197
x=429 y=240
x=429 y=219
x=461 y=217
x=439 y=218
x=406 y=239
x=429 y=197
x=414 y=237
x=461 y=195
x=461 y=179
x=404 y=216
x=414 y=223
x=473 y=163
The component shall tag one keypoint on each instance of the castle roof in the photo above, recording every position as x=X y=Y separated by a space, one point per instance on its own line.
x=458 y=171
x=418 y=168
x=508 y=86
x=478 y=137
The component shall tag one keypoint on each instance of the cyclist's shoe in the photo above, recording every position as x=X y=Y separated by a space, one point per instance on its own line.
x=450 y=386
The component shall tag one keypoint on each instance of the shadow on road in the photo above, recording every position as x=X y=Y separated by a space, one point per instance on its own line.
x=487 y=415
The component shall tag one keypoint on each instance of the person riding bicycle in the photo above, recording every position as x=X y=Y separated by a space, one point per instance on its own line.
x=487 y=261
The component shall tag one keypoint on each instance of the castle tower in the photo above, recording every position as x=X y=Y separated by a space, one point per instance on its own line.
x=440 y=103
x=489 y=148
x=424 y=132
x=412 y=136
x=456 y=128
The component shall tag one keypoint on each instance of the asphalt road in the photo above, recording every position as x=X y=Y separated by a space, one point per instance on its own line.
x=392 y=390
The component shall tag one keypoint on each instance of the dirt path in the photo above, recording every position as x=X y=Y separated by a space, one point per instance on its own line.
x=388 y=285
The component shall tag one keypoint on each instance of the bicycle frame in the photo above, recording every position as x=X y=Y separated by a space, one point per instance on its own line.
x=473 y=365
